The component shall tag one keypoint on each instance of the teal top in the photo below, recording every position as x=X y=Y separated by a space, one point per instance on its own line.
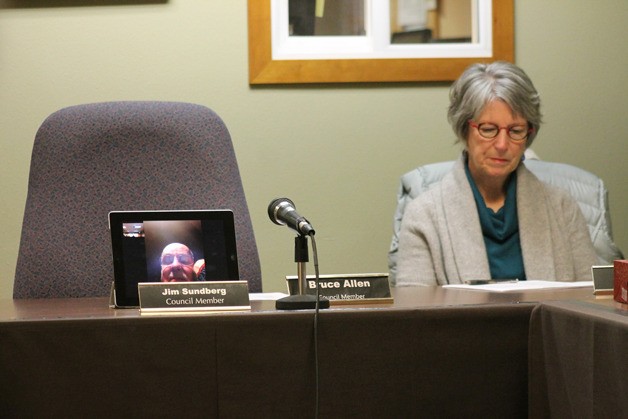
x=501 y=232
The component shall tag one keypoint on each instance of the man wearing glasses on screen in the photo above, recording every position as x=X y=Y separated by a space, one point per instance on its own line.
x=177 y=263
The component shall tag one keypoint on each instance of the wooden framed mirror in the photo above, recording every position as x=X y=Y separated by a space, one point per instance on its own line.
x=292 y=41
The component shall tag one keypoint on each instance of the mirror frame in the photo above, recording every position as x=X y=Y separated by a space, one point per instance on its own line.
x=264 y=70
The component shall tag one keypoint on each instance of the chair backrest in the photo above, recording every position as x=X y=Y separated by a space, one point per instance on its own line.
x=586 y=188
x=90 y=159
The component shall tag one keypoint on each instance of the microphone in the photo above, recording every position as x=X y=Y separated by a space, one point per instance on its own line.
x=282 y=212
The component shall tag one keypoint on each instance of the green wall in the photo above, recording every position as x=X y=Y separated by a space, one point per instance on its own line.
x=337 y=151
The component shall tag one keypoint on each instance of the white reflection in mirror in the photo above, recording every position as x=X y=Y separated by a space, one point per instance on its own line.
x=356 y=29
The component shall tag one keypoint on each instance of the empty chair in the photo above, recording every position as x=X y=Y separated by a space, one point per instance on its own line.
x=91 y=159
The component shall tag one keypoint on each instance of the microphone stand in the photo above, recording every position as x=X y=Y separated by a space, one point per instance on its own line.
x=301 y=257
x=302 y=300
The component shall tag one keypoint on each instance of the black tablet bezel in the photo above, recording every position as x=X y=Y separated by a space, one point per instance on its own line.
x=125 y=289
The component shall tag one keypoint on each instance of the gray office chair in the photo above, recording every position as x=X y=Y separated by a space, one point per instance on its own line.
x=586 y=188
x=90 y=159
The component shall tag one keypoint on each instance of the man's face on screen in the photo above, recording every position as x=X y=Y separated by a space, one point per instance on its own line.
x=177 y=263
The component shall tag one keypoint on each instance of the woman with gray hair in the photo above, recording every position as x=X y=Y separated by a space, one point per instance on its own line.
x=490 y=217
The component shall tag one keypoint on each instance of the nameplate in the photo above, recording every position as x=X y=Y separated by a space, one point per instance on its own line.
x=346 y=289
x=193 y=296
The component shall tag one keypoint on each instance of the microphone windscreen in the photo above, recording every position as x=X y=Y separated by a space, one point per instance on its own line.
x=275 y=206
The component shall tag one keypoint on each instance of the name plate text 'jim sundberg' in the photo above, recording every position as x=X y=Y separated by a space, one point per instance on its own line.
x=194 y=296
x=346 y=289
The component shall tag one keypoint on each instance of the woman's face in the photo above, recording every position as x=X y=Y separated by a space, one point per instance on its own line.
x=494 y=159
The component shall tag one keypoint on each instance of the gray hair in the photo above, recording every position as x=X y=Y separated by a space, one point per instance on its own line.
x=483 y=83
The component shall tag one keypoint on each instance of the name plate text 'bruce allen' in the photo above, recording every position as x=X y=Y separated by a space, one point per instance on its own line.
x=346 y=289
x=194 y=296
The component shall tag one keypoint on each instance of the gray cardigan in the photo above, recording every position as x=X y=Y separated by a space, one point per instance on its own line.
x=440 y=241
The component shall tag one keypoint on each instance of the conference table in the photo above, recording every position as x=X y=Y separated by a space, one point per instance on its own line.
x=434 y=351
x=579 y=359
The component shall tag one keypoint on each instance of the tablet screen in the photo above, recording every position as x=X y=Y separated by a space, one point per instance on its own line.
x=603 y=279
x=170 y=246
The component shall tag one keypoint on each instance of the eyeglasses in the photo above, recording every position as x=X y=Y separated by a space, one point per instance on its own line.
x=489 y=131
x=183 y=258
